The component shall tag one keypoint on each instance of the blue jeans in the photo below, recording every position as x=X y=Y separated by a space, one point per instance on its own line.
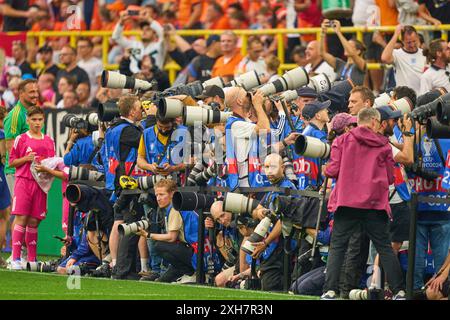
x=438 y=234
x=156 y=262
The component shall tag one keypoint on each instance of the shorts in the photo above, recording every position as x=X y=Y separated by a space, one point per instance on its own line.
x=29 y=199
x=374 y=50
x=5 y=196
x=399 y=226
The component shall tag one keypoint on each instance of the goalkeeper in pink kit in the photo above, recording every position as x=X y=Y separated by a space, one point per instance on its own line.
x=30 y=201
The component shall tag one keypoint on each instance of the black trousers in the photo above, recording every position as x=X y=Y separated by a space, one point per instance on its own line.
x=179 y=255
x=355 y=261
x=272 y=271
x=375 y=224
x=128 y=245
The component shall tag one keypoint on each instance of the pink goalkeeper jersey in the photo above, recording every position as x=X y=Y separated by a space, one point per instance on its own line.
x=24 y=144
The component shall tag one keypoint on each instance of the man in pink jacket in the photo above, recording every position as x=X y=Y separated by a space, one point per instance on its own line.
x=362 y=164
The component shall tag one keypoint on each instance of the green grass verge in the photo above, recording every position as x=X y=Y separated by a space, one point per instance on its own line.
x=22 y=285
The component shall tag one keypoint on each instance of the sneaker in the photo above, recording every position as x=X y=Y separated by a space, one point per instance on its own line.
x=144 y=273
x=16 y=265
x=104 y=271
x=329 y=295
x=186 y=279
x=401 y=295
x=152 y=276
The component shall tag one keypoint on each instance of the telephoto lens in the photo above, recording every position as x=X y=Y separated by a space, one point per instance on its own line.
x=190 y=201
x=382 y=100
x=214 y=81
x=92 y=118
x=170 y=108
x=72 y=121
x=320 y=83
x=289 y=169
x=148 y=182
x=108 y=111
x=257 y=236
x=436 y=130
x=358 y=294
x=115 y=80
x=238 y=203
x=443 y=112
x=312 y=147
x=203 y=178
x=196 y=170
x=192 y=114
x=289 y=95
x=84 y=174
x=404 y=104
x=127 y=229
x=291 y=80
x=248 y=81
x=428 y=110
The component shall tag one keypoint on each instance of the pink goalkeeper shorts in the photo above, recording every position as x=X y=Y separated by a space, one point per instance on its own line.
x=29 y=199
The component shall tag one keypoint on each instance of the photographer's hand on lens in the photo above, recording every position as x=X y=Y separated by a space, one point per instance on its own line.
x=290 y=139
x=405 y=124
x=257 y=98
x=259 y=213
x=259 y=249
x=209 y=223
x=278 y=105
x=142 y=233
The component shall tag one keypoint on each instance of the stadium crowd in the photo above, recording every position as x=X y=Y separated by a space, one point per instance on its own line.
x=303 y=182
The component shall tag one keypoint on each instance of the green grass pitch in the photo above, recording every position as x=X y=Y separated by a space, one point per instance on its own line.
x=23 y=285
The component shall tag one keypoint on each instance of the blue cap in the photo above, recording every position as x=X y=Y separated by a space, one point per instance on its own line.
x=27 y=76
x=211 y=39
x=387 y=113
x=310 y=109
x=307 y=92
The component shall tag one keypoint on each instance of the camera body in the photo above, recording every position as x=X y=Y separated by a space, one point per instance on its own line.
x=75 y=122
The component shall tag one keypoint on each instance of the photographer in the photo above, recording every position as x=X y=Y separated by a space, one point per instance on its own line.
x=121 y=145
x=271 y=249
x=157 y=145
x=308 y=169
x=244 y=169
x=228 y=242
x=365 y=205
x=433 y=222
x=177 y=245
x=80 y=148
x=151 y=41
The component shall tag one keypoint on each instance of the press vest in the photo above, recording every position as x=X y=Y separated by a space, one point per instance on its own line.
x=307 y=169
x=400 y=183
x=112 y=146
x=255 y=176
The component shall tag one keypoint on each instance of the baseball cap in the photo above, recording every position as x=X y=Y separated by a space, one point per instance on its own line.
x=387 y=113
x=310 y=109
x=45 y=48
x=212 y=91
x=211 y=39
x=307 y=92
x=342 y=120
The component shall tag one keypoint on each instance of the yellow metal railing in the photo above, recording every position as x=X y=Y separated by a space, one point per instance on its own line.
x=172 y=67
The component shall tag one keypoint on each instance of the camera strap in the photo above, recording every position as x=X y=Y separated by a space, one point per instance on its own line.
x=439 y=150
x=94 y=152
